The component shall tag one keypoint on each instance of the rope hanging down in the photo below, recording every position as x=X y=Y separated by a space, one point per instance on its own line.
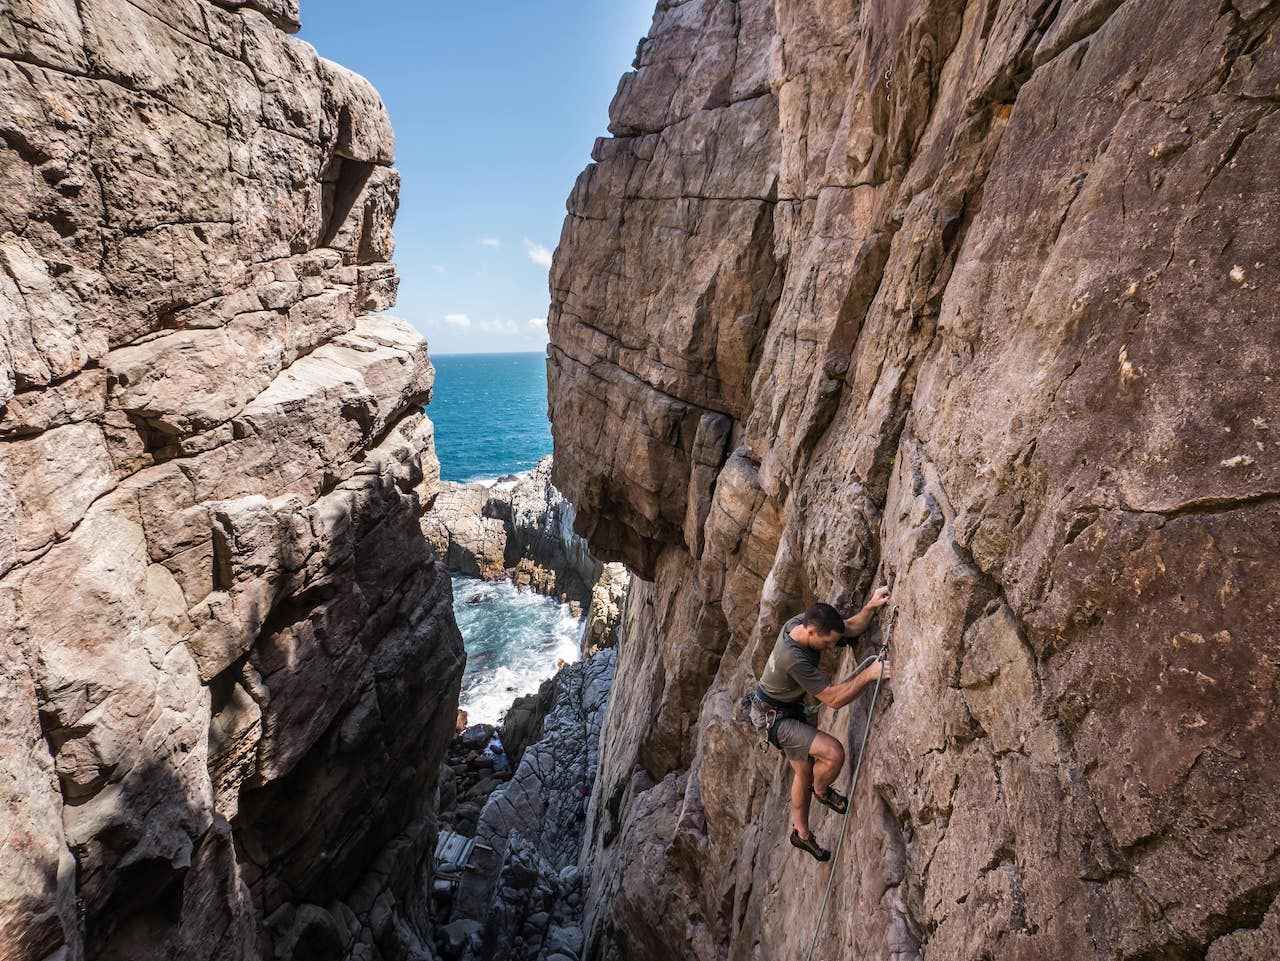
x=853 y=786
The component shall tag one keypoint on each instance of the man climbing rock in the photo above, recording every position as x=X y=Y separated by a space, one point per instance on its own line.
x=777 y=706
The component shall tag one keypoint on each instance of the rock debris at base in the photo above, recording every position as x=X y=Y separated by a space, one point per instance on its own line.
x=523 y=886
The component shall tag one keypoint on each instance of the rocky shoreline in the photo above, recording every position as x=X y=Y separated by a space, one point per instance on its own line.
x=519 y=528
x=525 y=787
x=521 y=788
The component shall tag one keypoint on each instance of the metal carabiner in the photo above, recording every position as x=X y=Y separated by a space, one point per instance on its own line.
x=769 y=718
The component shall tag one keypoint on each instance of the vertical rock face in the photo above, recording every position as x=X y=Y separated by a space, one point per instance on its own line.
x=230 y=665
x=978 y=299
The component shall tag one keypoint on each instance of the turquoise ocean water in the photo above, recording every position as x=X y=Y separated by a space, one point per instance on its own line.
x=490 y=412
x=513 y=640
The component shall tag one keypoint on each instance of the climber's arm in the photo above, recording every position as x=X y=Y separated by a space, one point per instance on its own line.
x=855 y=625
x=838 y=695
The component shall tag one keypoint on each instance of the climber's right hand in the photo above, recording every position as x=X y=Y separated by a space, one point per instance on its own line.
x=879 y=669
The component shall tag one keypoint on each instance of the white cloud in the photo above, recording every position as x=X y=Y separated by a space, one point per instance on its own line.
x=539 y=254
x=438 y=268
x=457 y=320
x=538 y=322
x=490 y=242
x=499 y=326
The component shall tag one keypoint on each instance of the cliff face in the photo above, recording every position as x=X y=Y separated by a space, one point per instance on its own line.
x=979 y=300
x=230 y=662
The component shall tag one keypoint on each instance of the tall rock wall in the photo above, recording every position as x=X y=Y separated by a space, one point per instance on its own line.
x=229 y=659
x=979 y=300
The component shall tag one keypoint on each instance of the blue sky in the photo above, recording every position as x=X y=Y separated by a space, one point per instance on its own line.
x=496 y=106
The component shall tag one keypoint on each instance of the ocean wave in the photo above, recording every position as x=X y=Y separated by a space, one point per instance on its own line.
x=504 y=482
x=513 y=640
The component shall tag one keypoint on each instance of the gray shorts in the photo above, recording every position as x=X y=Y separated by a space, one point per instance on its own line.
x=794 y=737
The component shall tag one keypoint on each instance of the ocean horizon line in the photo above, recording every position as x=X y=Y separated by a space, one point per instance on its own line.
x=487 y=353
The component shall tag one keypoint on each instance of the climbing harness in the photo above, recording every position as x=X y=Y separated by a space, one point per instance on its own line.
x=853 y=786
x=775 y=712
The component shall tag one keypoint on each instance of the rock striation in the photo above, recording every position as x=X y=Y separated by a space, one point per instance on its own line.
x=977 y=300
x=520 y=529
x=230 y=665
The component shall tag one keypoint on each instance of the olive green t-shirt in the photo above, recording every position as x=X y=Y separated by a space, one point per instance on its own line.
x=792 y=669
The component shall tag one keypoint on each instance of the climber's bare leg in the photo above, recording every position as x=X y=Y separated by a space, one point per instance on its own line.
x=801 y=787
x=828 y=760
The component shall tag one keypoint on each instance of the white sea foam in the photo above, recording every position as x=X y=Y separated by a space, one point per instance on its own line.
x=513 y=640
x=501 y=481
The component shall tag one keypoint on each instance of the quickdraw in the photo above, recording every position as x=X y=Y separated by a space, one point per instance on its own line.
x=770 y=719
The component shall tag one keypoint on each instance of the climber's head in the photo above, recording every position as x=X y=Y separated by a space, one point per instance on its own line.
x=822 y=626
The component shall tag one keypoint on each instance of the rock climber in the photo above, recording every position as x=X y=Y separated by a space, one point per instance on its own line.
x=776 y=707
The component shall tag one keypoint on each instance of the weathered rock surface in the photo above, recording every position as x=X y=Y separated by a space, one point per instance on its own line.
x=522 y=882
x=522 y=724
x=230 y=664
x=604 y=616
x=469 y=540
x=522 y=530
x=474 y=767
x=979 y=299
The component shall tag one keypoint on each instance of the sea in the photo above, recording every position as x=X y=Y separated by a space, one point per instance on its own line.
x=513 y=640
x=490 y=413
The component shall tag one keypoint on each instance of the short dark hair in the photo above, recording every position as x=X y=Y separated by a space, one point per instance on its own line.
x=824 y=618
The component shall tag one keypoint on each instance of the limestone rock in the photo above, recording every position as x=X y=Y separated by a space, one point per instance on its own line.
x=230 y=661
x=977 y=300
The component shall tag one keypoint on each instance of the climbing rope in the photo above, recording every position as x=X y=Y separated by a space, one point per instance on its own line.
x=853 y=786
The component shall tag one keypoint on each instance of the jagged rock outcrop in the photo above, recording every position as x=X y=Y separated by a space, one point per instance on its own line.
x=978 y=299
x=522 y=724
x=604 y=615
x=522 y=885
x=522 y=529
x=230 y=664
x=468 y=539
x=474 y=766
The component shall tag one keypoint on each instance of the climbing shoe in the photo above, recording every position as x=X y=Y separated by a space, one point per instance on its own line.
x=834 y=800
x=809 y=844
